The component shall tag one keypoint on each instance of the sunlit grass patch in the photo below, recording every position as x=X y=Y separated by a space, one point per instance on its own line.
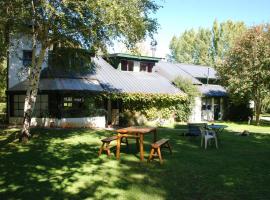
x=64 y=164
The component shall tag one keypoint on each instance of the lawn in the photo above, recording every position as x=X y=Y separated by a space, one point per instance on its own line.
x=63 y=164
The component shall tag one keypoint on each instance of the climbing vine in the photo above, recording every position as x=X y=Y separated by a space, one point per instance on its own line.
x=153 y=106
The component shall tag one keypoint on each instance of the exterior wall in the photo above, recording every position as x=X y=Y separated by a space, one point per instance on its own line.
x=196 y=115
x=42 y=120
x=84 y=122
x=136 y=67
x=15 y=72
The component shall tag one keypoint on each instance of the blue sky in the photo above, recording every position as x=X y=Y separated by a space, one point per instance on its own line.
x=178 y=15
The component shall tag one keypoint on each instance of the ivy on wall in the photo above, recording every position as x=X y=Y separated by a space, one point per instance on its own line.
x=153 y=106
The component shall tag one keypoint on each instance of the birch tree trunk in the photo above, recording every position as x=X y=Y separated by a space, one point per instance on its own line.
x=31 y=93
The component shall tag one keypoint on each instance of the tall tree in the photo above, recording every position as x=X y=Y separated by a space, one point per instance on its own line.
x=246 y=69
x=224 y=36
x=206 y=46
x=4 y=43
x=203 y=47
x=86 y=24
x=183 y=48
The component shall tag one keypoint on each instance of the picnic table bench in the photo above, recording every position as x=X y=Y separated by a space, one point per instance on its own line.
x=106 y=144
x=155 y=149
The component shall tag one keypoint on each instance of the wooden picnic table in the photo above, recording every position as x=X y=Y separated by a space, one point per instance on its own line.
x=135 y=131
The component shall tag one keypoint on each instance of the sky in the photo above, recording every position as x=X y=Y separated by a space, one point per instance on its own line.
x=176 y=16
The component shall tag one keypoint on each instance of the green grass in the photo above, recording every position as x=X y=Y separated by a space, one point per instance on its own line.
x=63 y=164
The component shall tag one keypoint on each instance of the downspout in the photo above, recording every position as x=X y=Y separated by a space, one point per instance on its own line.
x=207 y=76
x=7 y=88
x=7 y=38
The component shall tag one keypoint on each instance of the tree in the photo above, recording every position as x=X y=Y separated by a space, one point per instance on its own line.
x=223 y=38
x=183 y=48
x=191 y=90
x=192 y=47
x=206 y=46
x=4 y=42
x=246 y=69
x=87 y=24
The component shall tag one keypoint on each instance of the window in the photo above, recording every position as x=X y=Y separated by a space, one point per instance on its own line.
x=209 y=81
x=41 y=107
x=27 y=58
x=40 y=110
x=206 y=103
x=67 y=102
x=73 y=102
x=146 y=67
x=127 y=65
x=143 y=67
x=18 y=105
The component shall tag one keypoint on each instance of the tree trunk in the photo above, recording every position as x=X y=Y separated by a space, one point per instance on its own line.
x=31 y=94
x=258 y=109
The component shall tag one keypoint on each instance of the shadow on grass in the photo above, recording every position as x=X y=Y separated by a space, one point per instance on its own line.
x=8 y=137
x=63 y=164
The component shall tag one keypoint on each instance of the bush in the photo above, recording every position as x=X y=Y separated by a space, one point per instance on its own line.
x=184 y=111
x=238 y=111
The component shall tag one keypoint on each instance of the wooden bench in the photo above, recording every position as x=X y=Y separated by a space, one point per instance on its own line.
x=155 y=149
x=106 y=144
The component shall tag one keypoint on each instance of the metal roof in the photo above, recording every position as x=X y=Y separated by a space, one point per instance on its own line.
x=132 y=82
x=212 y=90
x=199 y=71
x=65 y=73
x=171 y=71
x=103 y=77
x=62 y=84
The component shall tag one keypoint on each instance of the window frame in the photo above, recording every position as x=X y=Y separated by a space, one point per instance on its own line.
x=127 y=65
x=146 y=67
x=18 y=101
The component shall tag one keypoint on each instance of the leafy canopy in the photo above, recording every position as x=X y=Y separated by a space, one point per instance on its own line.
x=205 y=46
x=246 y=70
x=83 y=23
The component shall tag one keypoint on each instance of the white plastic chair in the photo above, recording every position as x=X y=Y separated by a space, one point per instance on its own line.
x=207 y=136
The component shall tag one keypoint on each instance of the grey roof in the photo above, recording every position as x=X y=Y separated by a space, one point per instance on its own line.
x=199 y=71
x=213 y=90
x=132 y=82
x=62 y=84
x=192 y=72
x=172 y=71
x=86 y=72
x=103 y=77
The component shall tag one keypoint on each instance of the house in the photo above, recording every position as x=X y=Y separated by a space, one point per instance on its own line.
x=70 y=98
x=70 y=87
x=210 y=106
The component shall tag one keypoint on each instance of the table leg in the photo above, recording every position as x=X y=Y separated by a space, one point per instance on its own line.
x=141 y=147
x=118 y=146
